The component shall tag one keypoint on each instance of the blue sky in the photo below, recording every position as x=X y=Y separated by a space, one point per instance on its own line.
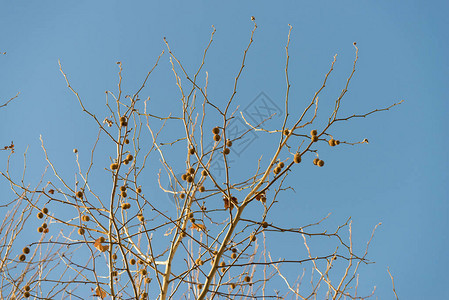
x=399 y=179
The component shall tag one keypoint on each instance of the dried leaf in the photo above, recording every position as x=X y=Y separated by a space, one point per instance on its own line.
x=99 y=292
x=99 y=246
x=198 y=227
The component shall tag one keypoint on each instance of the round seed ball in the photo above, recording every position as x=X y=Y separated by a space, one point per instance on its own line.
x=297 y=158
x=129 y=157
x=184 y=176
x=264 y=224
x=192 y=151
x=114 y=256
x=79 y=194
x=332 y=142
x=143 y=272
x=232 y=285
x=27 y=294
x=147 y=280
x=81 y=231
x=132 y=261
x=45 y=210
x=226 y=151
x=229 y=143
x=44 y=225
x=314 y=138
x=191 y=170
x=123 y=194
x=217 y=137
x=27 y=288
x=22 y=257
x=182 y=195
x=286 y=132
x=123 y=188
x=40 y=215
x=313 y=132
x=320 y=163
x=200 y=286
x=189 y=178
x=26 y=250
x=126 y=141
x=204 y=173
x=337 y=142
x=247 y=279
x=114 y=166
x=75 y=150
x=233 y=255
x=253 y=238
x=122 y=119
x=139 y=190
x=281 y=165
x=315 y=161
x=201 y=189
x=85 y=218
x=216 y=130
x=40 y=229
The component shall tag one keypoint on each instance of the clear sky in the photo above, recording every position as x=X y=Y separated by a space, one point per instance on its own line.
x=400 y=178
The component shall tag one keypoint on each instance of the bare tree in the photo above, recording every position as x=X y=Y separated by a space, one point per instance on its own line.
x=121 y=243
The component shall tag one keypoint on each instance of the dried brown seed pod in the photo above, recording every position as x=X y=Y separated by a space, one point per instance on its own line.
x=102 y=239
x=201 y=189
x=217 y=137
x=233 y=255
x=297 y=158
x=264 y=224
x=315 y=161
x=232 y=285
x=143 y=272
x=26 y=288
x=81 y=231
x=114 y=256
x=204 y=173
x=40 y=229
x=22 y=257
x=247 y=279
x=79 y=194
x=46 y=230
x=44 y=225
x=192 y=151
x=45 y=210
x=229 y=143
x=277 y=170
x=320 y=163
x=123 y=188
x=253 y=238
x=125 y=205
x=40 y=215
x=281 y=164
x=184 y=176
x=215 y=130
x=27 y=295
x=332 y=142
x=122 y=119
x=182 y=195
x=189 y=178
x=200 y=286
x=286 y=132
x=123 y=124
x=75 y=150
x=139 y=190
x=132 y=261
x=191 y=170
x=313 y=132
x=129 y=157
x=337 y=142
x=234 y=250
x=126 y=162
x=26 y=250
x=123 y=194
x=51 y=191
x=226 y=151
x=114 y=166
x=85 y=218
x=126 y=141
x=141 y=218
x=314 y=138
x=147 y=280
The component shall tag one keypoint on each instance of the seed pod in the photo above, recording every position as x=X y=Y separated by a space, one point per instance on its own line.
x=27 y=295
x=123 y=188
x=85 y=218
x=40 y=229
x=132 y=261
x=44 y=225
x=204 y=173
x=141 y=218
x=253 y=238
x=286 y=132
x=233 y=255
x=143 y=272
x=139 y=190
x=184 y=176
x=46 y=230
x=337 y=142
x=191 y=170
x=229 y=143
x=332 y=142
x=200 y=286
x=147 y=280
x=81 y=231
x=26 y=250
x=247 y=279
x=320 y=163
x=217 y=137
x=232 y=285
x=123 y=194
x=199 y=262
x=45 y=210
x=123 y=124
x=192 y=151
x=281 y=165
x=40 y=215
x=126 y=141
x=129 y=157
x=226 y=151
x=315 y=161
x=314 y=138
x=122 y=119
x=79 y=194
x=22 y=257
x=52 y=191
x=189 y=178
x=75 y=150
x=216 y=130
x=264 y=224
x=125 y=205
x=234 y=250
x=297 y=158
x=26 y=288
x=277 y=170
x=102 y=239
x=201 y=189
x=126 y=162
x=182 y=195
x=114 y=256
x=313 y=132
x=114 y=166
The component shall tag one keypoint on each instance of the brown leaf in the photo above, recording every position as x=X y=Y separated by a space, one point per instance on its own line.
x=99 y=292
x=198 y=227
x=99 y=246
